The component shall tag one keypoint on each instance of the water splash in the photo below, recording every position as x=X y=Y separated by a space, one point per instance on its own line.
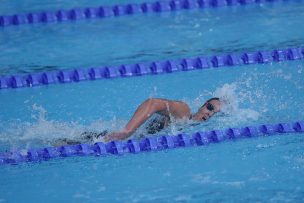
x=228 y=97
x=230 y=104
x=44 y=132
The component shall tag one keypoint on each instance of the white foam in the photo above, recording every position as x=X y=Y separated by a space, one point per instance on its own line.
x=228 y=97
x=44 y=131
x=231 y=98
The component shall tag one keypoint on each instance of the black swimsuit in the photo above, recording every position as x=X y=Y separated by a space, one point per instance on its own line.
x=85 y=137
x=154 y=126
x=157 y=124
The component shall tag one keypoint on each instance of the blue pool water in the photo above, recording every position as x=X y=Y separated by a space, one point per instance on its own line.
x=265 y=169
x=141 y=38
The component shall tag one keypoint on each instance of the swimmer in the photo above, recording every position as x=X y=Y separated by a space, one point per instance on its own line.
x=166 y=111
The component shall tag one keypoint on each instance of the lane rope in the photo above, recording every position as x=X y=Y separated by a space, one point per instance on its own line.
x=150 y=68
x=155 y=143
x=101 y=12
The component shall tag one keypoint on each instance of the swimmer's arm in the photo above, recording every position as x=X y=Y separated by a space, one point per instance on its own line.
x=146 y=110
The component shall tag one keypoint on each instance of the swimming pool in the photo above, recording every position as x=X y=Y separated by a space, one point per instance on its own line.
x=258 y=169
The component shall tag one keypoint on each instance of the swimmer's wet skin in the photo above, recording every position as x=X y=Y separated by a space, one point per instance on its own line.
x=167 y=110
x=153 y=127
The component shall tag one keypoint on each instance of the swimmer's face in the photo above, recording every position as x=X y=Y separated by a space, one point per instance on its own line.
x=207 y=110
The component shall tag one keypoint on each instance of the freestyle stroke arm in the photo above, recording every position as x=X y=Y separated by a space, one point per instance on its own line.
x=146 y=110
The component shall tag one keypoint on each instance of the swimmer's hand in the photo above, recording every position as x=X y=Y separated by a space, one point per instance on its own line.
x=116 y=136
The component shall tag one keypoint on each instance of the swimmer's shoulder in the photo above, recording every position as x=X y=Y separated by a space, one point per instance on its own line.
x=178 y=109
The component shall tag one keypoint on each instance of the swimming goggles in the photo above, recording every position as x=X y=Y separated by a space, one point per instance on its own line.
x=209 y=106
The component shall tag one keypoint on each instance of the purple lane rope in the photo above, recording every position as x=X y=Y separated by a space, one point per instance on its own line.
x=155 y=143
x=150 y=68
x=101 y=12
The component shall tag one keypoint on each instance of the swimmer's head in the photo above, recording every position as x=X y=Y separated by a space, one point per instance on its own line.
x=209 y=108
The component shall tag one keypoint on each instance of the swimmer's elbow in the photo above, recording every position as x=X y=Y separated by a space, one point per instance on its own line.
x=156 y=105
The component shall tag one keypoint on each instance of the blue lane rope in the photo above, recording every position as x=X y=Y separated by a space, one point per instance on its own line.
x=155 y=143
x=117 y=10
x=151 y=68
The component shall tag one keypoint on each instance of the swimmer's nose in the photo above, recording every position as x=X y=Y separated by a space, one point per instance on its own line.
x=205 y=117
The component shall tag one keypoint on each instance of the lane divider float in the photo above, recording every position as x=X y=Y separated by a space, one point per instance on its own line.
x=117 y=10
x=150 y=68
x=155 y=143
